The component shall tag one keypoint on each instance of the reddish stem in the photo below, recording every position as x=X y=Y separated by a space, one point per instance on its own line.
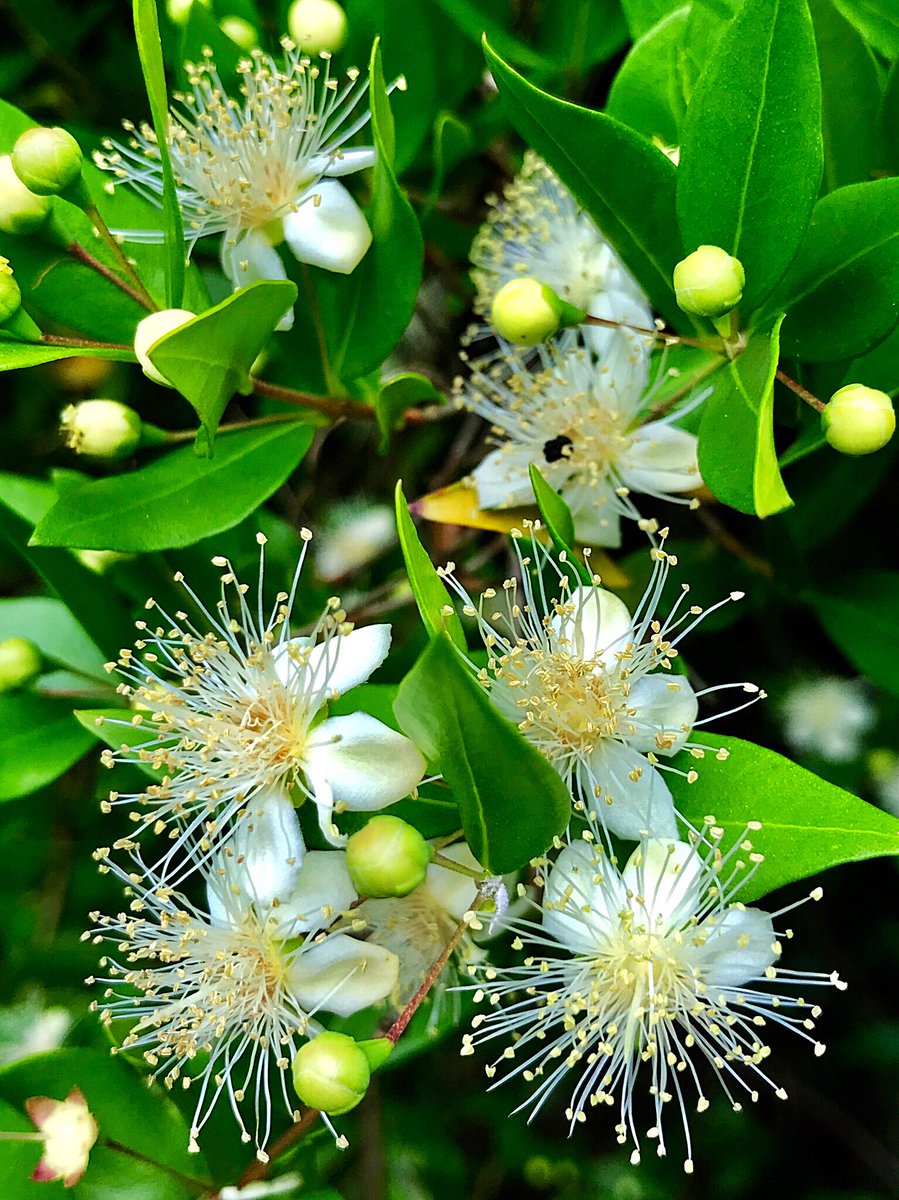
x=84 y=256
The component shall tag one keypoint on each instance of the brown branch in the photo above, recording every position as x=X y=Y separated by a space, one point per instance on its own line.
x=334 y=407
x=801 y=392
x=53 y=339
x=84 y=256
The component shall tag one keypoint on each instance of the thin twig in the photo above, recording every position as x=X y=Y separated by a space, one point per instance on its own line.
x=335 y=407
x=801 y=392
x=54 y=339
x=108 y=237
x=84 y=256
x=661 y=335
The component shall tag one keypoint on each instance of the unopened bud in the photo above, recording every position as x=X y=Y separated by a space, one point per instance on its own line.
x=20 y=662
x=858 y=420
x=331 y=1073
x=317 y=25
x=148 y=333
x=388 y=857
x=526 y=312
x=47 y=160
x=709 y=282
x=21 y=211
x=179 y=10
x=241 y=32
x=10 y=292
x=101 y=428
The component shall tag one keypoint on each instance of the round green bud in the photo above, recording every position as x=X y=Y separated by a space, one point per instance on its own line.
x=148 y=333
x=241 y=32
x=317 y=25
x=179 y=10
x=858 y=420
x=387 y=857
x=20 y=662
x=47 y=160
x=21 y=211
x=526 y=312
x=709 y=282
x=101 y=428
x=10 y=292
x=331 y=1073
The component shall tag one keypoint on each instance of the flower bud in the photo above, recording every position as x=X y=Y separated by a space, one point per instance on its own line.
x=241 y=32
x=709 y=282
x=21 y=211
x=179 y=10
x=150 y=330
x=101 y=428
x=10 y=292
x=858 y=419
x=331 y=1073
x=317 y=25
x=388 y=857
x=47 y=160
x=20 y=662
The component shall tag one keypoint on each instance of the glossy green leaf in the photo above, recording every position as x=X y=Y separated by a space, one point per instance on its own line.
x=631 y=198
x=39 y=740
x=398 y=395
x=737 y=456
x=180 y=498
x=209 y=358
x=889 y=118
x=431 y=596
x=146 y=29
x=808 y=824
x=16 y=355
x=50 y=625
x=558 y=521
x=648 y=92
x=877 y=20
x=859 y=613
x=751 y=150
x=115 y=728
x=841 y=295
x=475 y=21
x=642 y=16
x=512 y=802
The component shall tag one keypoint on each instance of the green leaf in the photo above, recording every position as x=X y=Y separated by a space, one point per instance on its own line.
x=512 y=802
x=631 y=198
x=209 y=358
x=751 y=150
x=431 y=596
x=48 y=623
x=146 y=29
x=558 y=520
x=808 y=824
x=647 y=93
x=39 y=740
x=842 y=293
x=16 y=355
x=179 y=498
x=115 y=728
x=858 y=611
x=877 y=20
x=397 y=396
x=642 y=16
x=475 y=21
x=737 y=457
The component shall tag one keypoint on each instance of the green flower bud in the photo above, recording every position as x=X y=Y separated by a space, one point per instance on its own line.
x=20 y=662
x=47 y=160
x=858 y=419
x=709 y=282
x=21 y=211
x=148 y=333
x=179 y=10
x=10 y=292
x=101 y=428
x=240 y=32
x=317 y=25
x=388 y=857
x=526 y=312
x=331 y=1073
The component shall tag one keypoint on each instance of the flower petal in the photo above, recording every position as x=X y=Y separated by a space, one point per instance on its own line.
x=342 y=975
x=329 y=230
x=323 y=891
x=365 y=764
x=333 y=666
x=660 y=459
x=454 y=893
x=596 y=519
x=582 y=898
x=624 y=354
x=595 y=624
x=666 y=710
x=635 y=798
x=344 y=162
x=502 y=478
x=740 y=946
x=250 y=259
x=665 y=877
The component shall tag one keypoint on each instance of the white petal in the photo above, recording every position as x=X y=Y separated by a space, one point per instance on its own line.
x=250 y=259
x=323 y=890
x=582 y=898
x=665 y=877
x=740 y=946
x=453 y=892
x=502 y=478
x=597 y=521
x=666 y=712
x=661 y=458
x=331 y=232
x=344 y=162
x=335 y=665
x=595 y=624
x=365 y=764
x=624 y=354
x=629 y=807
x=342 y=975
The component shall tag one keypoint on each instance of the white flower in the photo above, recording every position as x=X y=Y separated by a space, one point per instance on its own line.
x=538 y=229
x=356 y=535
x=234 y=714
x=592 y=686
x=242 y=980
x=829 y=717
x=69 y=1131
x=578 y=419
x=631 y=975
x=28 y=1027
x=260 y=171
